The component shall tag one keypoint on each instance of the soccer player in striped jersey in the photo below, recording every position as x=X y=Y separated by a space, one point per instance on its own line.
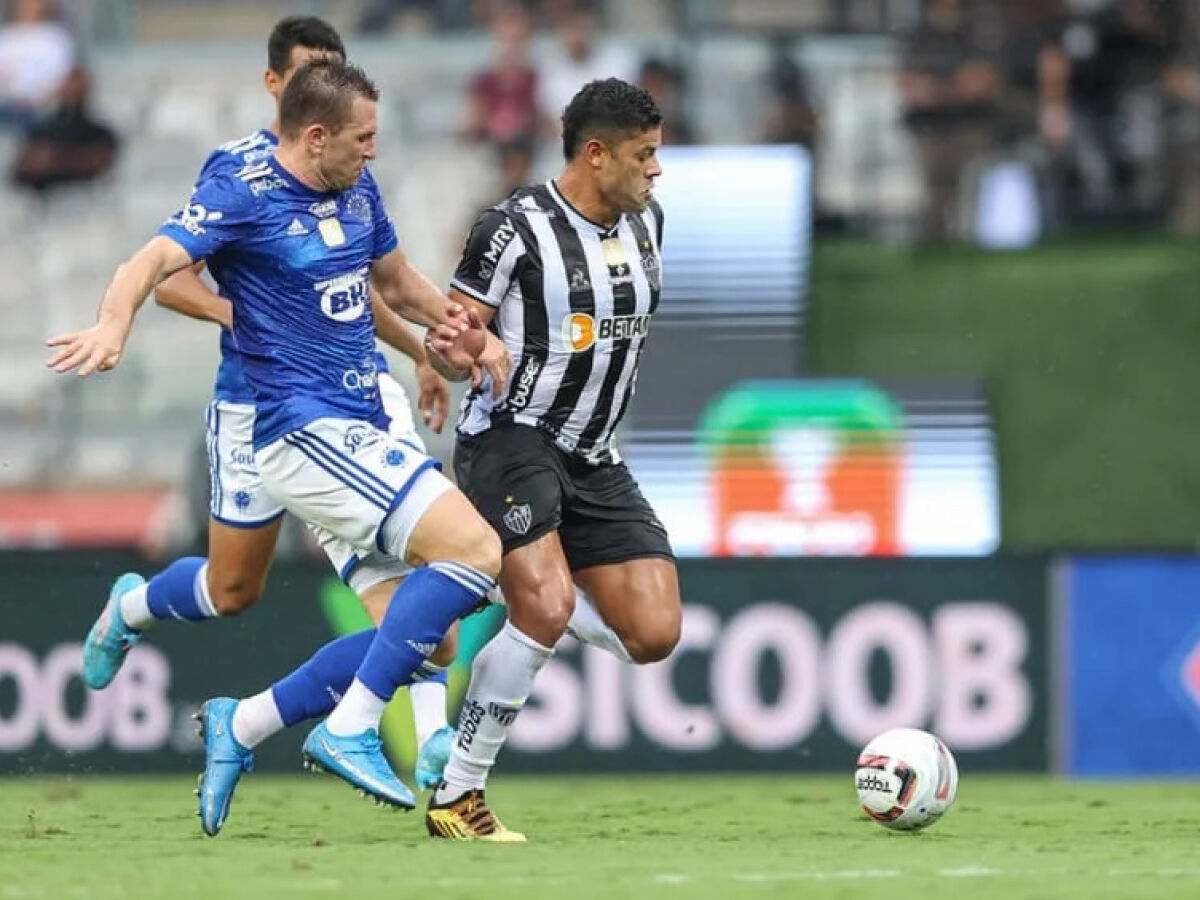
x=567 y=274
x=304 y=328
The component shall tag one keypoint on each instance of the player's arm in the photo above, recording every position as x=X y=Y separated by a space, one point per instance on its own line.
x=494 y=360
x=490 y=261
x=433 y=394
x=185 y=293
x=99 y=348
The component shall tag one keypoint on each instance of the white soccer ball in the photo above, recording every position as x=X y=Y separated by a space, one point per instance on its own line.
x=906 y=779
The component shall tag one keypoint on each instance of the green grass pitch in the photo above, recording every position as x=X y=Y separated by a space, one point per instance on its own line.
x=721 y=837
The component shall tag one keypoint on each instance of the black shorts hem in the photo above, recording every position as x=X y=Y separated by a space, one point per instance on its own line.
x=508 y=545
x=619 y=557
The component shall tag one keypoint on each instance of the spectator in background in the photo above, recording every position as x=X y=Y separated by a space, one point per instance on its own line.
x=951 y=86
x=36 y=55
x=576 y=60
x=68 y=146
x=664 y=82
x=1181 y=80
x=1110 y=65
x=502 y=103
x=516 y=163
x=790 y=117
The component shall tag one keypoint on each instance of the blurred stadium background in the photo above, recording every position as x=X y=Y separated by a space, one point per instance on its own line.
x=928 y=343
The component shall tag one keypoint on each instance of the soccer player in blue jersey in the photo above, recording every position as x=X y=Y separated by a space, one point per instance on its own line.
x=294 y=241
x=245 y=519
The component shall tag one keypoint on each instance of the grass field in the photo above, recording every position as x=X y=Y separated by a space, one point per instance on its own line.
x=602 y=837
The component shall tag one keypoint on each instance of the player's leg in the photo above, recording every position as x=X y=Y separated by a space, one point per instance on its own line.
x=428 y=697
x=516 y=480
x=231 y=729
x=243 y=530
x=427 y=690
x=368 y=489
x=621 y=556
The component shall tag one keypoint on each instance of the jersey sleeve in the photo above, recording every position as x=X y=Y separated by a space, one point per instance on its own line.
x=219 y=162
x=220 y=210
x=489 y=259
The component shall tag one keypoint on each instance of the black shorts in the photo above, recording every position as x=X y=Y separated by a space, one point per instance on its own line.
x=526 y=487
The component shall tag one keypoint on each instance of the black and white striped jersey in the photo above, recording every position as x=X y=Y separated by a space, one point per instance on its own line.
x=573 y=303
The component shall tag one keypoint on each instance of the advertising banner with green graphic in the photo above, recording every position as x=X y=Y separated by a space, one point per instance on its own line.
x=784 y=664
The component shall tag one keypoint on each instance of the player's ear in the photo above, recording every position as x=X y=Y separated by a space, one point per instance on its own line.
x=272 y=82
x=594 y=151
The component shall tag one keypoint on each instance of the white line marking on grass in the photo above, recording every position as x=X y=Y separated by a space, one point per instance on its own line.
x=671 y=878
x=970 y=872
x=848 y=874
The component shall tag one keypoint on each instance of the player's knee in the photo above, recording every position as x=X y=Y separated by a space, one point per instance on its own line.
x=481 y=550
x=232 y=596
x=542 y=607
x=654 y=639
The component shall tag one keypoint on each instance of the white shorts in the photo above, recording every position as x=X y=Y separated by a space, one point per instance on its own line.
x=239 y=499
x=363 y=570
x=348 y=478
x=236 y=493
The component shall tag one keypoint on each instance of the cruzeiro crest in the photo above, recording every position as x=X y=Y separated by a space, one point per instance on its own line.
x=518 y=519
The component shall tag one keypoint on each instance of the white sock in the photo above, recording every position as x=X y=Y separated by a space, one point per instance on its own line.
x=429 y=708
x=501 y=680
x=135 y=608
x=256 y=719
x=587 y=625
x=359 y=710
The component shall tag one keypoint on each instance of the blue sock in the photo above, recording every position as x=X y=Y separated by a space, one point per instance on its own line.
x=179 y=591
x=423 y=607
x=315 y=688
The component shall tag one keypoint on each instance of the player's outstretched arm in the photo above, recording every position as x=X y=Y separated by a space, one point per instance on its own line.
x=99 y=348
x=185 y=293
x=433 y=394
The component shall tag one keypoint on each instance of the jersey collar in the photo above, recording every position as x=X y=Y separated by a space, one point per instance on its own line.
x=578 y=219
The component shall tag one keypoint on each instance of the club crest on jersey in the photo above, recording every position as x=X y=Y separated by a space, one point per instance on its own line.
x=518 y=519
x=358 y=206
x=580 y=331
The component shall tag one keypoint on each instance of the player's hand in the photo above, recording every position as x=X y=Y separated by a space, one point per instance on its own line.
x=95 y=349
x=496 y=361
x=459 y=349
x=433 y=397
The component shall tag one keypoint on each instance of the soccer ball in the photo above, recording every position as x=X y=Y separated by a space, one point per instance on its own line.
x=906 y=779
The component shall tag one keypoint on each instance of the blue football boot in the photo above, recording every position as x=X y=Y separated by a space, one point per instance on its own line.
x=108 y=643
x=359 y=760
x=224 y=762
x=432 y=758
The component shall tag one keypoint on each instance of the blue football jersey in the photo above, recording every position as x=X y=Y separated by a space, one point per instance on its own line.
x=229 y=159
x=295 y=262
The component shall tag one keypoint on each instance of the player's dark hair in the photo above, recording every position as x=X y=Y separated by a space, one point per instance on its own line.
x=322 y=91
x=611 y=110
x=300 y=31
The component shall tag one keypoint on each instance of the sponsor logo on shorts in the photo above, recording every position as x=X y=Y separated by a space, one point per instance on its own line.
x=393 y=456
x=359 y=437
x=518 y=519
x=243 y=499
x=241 y=456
